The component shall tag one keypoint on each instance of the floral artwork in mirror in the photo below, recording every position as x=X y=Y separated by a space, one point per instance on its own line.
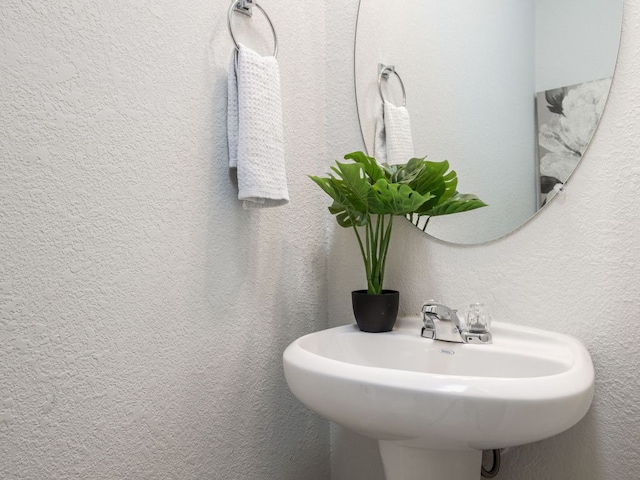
x=567 y=119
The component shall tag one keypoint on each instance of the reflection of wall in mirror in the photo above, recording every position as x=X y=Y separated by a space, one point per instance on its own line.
x=569 y=50
x=468 y=70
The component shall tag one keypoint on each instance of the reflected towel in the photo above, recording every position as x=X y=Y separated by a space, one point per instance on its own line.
x=393 y=142
x=254 y=129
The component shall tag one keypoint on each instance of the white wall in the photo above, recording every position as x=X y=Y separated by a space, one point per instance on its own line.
x=143 y=313
x=574 y=269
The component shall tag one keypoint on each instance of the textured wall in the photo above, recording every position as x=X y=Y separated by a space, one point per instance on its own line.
x=143 y=313
x=574 y=269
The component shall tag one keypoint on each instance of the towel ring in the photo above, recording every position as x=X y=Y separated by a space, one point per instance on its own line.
x=245 y=7
x=385 y=71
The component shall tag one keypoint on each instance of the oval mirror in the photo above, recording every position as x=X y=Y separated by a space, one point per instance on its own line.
x=509 y=92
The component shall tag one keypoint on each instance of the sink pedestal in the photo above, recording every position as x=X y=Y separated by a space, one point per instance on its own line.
x=402 y=462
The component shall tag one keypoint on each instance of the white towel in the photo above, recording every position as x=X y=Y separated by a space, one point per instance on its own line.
x=393 y=143
x=254 y=129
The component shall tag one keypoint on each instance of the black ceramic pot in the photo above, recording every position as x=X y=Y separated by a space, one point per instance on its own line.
x=375 y=313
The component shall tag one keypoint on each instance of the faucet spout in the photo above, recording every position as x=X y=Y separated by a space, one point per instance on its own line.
x=434 y=313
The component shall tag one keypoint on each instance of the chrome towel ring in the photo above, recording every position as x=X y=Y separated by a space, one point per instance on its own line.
x=385 y=72
x=246 y=8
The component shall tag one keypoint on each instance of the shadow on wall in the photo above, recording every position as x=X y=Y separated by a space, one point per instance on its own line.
x=262 y=287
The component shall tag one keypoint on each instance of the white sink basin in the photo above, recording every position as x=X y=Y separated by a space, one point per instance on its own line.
x=415 y=394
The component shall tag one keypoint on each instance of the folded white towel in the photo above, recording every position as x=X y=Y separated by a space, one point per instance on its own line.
x=393 y=142
x=254 y=129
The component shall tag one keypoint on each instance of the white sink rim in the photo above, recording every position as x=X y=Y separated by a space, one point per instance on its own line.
x=571 y=380
x=360 y=395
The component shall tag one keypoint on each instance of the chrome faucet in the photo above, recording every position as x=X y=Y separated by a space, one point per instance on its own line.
x=443 y=323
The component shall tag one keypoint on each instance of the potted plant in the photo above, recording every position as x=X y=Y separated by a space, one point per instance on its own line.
x=366 y=196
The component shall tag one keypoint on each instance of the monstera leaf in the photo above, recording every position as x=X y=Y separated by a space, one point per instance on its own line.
x=407 y=173
x=371 y=168
x=354 y=185
x=347 y=215
x=456 y=204
x=435 y=179
x=394 y=198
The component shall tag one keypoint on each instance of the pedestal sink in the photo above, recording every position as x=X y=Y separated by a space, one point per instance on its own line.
x=434 y=406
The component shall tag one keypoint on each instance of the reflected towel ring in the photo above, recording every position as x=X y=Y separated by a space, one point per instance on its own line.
x=245 y=7
x=385 y=70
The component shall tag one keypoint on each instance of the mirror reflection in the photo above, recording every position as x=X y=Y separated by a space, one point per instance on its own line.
x=509 y=92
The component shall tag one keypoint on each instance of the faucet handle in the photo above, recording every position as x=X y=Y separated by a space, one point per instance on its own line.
x=478 y=318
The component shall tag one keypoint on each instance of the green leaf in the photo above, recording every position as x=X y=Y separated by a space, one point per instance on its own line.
x=347 y=214
x=410 y=171
x=325 y=184
x=371 y=167
x=435 y=180
x=456 y=204
x=355 y=186
x=348 y=219
x=390 y=171
x=394 y=198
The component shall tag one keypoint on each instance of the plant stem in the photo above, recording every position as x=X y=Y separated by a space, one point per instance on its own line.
x=376 y=255
x=374 y=250
x=380 y=251
x=424 y=229
x=362 y=252
x=385 y=248
x=373 y=256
